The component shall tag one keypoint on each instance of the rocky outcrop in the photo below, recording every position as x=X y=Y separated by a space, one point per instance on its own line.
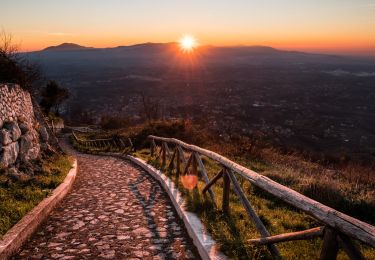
x=9 y=154
x=29 y=149
x=14 y=130
x=5 y=137
x=19 y=136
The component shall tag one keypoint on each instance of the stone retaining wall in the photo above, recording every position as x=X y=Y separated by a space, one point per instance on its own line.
x=19 y=138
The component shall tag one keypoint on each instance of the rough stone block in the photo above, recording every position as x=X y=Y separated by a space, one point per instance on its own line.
x=33 y=153
x=9 y=154
x=5 y=137
x=14 y=130
x=26 y=143
x=24 y=128
x=29 y=148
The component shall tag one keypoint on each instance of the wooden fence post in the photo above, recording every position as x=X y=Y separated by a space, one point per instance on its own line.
x=194 y=164
x=251 y=212
x=178 y=163
x=163 y=155
x=132 y=147
x=350 y=249
x=168 y=152
x=226 y=190
x=330 y=245
x=188 y=165
x=182 y=156
x=171 y=163
x=152 y=148
x=205 y=176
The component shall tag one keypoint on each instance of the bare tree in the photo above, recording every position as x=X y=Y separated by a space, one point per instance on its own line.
x=14 y=67
x=7 y=47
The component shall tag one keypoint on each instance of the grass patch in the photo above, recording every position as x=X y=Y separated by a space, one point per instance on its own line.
x=19 y=195
x=233 y=231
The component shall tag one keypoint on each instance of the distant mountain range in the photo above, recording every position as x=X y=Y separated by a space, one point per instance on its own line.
x=66 y=47
x=74 y=47
x=172 y=47
x=70 y=57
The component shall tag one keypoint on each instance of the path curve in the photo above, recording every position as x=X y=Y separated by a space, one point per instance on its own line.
x=114 y=211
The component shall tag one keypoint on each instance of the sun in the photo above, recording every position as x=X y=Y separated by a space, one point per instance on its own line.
x=188 y=43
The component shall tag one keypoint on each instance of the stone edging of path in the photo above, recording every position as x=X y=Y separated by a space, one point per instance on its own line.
x=19 y=233
x=207 y=247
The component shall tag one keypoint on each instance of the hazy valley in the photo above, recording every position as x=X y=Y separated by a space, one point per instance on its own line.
x=323 y=104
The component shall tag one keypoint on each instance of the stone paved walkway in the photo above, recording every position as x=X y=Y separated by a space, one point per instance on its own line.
x=115 y=211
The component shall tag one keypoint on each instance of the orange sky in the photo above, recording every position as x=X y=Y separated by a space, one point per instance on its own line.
x=334 y=26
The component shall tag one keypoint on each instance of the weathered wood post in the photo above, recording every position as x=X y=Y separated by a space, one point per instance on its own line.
x=251 y=212
x=116 y=143
x=132 y=146
x=163 y=155
x=350 y=249
x=194 y=164
x=178 y=162
x=152 y=148
x=171 y=163
x=330 y=245
x=112 y=144
x=226 y=190
x=205 y=176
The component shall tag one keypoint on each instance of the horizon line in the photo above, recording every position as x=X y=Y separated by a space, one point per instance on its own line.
x=312 y=51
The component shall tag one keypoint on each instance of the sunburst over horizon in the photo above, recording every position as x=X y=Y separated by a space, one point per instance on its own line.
x=188 y=43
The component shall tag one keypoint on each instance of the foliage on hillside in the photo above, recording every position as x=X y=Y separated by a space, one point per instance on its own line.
x=52 y=97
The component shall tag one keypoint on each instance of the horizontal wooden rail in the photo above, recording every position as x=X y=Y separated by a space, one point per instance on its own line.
x=339 y=221
x=81 y=129
x=300 y=235
x=103 y=144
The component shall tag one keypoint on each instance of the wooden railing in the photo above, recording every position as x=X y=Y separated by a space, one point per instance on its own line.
x=81 y=129
x=124 y=145
x=338 y=229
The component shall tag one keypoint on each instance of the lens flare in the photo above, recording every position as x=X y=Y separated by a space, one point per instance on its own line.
x=189 y=181
x=188 y=43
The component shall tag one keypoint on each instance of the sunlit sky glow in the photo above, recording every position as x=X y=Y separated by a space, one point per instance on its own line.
x=187 y=43
x=336 y=26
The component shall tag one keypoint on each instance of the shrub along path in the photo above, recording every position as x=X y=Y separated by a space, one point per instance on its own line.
x=115 y=211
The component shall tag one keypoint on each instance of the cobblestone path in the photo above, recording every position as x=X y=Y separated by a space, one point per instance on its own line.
x=114 y=211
